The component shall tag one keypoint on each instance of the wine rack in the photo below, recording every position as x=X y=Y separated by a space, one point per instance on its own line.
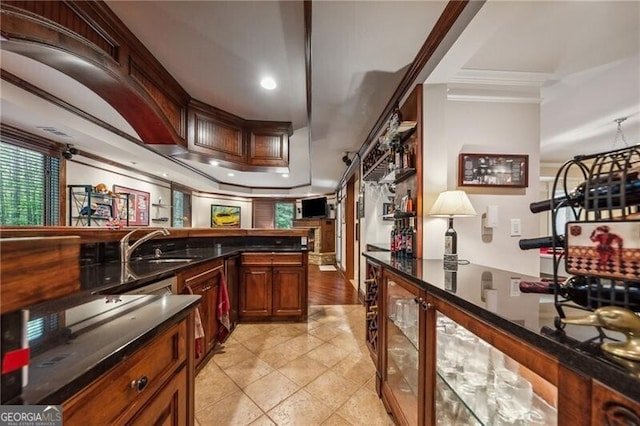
x=372 y=284
x=609 y=194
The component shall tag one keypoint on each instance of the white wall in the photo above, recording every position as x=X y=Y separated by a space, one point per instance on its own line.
x=454 y=127
x=92 y=173
x=201 y=209
x=375 y=229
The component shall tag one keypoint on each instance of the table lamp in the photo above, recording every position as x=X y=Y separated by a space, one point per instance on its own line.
x=452 y=204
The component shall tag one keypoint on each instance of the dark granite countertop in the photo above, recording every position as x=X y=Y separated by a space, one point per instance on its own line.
x=493 y=295
x=79 y=343
x=116 y=278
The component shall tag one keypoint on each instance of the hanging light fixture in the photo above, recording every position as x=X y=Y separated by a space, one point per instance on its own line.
x=619 y=133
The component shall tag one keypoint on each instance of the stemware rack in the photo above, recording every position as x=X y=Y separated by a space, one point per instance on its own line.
x=606 y=178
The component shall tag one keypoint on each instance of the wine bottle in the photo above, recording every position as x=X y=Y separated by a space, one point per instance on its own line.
x=393 y=240
x=541 y=242
x=604 y=191
x=411 y=239
x=585 y=291
x=450 y=239
x=409 y=205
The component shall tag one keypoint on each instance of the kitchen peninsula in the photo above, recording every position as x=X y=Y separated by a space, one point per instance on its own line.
x=105 y=334
x=418 y=308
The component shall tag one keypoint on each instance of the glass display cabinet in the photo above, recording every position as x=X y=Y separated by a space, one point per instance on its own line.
x=403 y=387
x=476 y=383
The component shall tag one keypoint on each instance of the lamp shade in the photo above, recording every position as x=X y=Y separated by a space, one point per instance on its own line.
x=452 y=204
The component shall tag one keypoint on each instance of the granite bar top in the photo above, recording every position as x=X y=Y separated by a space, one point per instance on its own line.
x=116 y=277
x=494 y=296
x=81 y=342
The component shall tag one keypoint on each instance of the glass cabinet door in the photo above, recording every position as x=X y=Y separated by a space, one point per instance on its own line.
x=402 y=320
x=476 y=384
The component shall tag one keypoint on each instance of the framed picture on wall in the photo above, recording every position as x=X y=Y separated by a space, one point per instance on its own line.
x=225 y=216
x=499 y=170
x=388 y=210
x=139 y=202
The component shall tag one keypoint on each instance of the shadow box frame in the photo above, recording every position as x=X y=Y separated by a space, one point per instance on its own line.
x=493 y=170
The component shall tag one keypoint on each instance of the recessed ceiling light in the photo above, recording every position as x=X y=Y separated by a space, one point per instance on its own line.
x=230 y=174
x=165 y=175
x=268 y=83
x=285 y=175
x=214 y=163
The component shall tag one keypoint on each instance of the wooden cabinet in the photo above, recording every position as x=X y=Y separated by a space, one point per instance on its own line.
x=373 y=284
x=255 y=292
x=403 y=351
x=204 y=280
x=150 y=386
x=608 y=407
x=438 y=364
x=232 y=271
x=273 y=286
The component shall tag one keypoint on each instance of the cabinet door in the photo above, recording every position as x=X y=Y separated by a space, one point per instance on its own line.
x=255 y=292
x=232 y=271
x=288 y=290
x=478 y=374
x=206 y=284
x=402 y=375
x=169 y=406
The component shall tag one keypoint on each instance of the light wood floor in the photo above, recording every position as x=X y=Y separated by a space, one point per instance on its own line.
x=330 y=288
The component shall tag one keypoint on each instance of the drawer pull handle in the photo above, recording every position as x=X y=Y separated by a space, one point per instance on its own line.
x=140 y=384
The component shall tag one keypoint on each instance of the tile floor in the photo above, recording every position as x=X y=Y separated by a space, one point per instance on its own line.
x=313 y=373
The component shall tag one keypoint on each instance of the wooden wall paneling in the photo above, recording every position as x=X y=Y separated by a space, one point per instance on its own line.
x=215 y=133
x=263 y=214
x=38 y=269
x=411 y=110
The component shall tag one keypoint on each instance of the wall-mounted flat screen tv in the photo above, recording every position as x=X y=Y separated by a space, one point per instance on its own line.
x=314 y=207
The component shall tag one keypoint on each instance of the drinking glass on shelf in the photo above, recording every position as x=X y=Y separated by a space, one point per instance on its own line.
x=476 y=367
x=514 y=396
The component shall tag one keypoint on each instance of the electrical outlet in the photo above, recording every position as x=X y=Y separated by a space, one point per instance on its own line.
x=516 y=227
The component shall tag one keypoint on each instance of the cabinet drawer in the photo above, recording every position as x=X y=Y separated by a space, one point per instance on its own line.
x=260 y=259
x=115 y=396
x=288 y=259
x=167 y=407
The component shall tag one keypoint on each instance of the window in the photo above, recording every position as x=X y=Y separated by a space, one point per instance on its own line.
x=181 y=208
x=284 y=215
x=29 y=187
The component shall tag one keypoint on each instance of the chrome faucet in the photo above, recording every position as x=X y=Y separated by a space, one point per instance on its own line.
x=126 y=249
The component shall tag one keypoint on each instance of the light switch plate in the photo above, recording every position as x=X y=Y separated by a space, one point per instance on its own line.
x=515 y=287
x=516 y=227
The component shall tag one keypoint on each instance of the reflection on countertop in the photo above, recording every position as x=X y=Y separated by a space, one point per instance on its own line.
x=71 y=346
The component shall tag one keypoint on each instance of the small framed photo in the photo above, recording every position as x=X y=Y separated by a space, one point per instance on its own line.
x=499 y=170
x=388 y=210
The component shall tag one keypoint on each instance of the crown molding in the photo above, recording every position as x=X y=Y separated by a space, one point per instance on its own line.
x=500 y=78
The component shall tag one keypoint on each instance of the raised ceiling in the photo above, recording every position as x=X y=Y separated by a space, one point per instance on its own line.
x=218 y=51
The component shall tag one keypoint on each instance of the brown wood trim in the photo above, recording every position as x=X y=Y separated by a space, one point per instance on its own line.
x=24 y=139
x=307 y=55
x=350 y=228
x=574 y=399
